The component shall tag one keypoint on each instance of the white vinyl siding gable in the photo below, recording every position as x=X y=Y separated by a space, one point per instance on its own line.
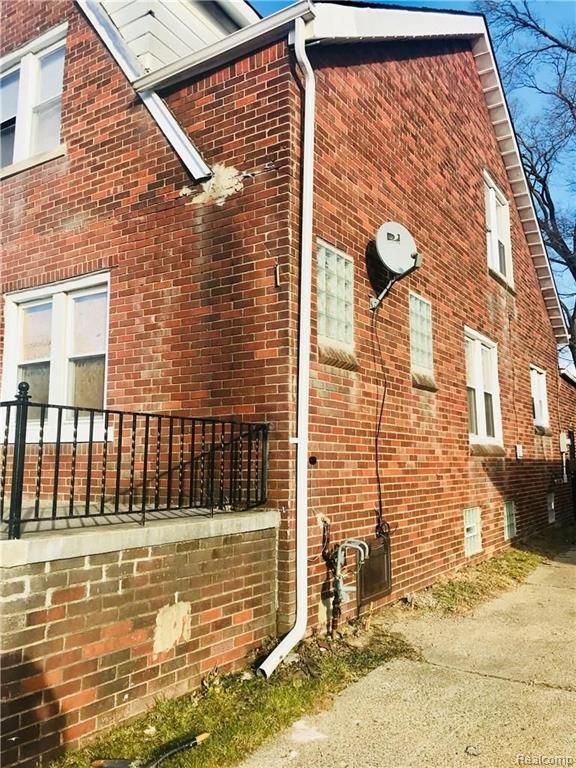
x=335 y=300
x=472 y=531
x=539 y=397
x=482 y=389
x=421 y=346
x=498 y=241
x=509 y=520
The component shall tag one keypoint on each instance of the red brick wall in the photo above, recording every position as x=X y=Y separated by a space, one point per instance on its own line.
x=197 y=323
x=78 y=634
x=403 y=134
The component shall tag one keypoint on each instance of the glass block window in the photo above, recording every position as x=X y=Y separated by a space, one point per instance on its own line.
x=31 y=98
x=509 y=519
x=472 y=531
x=551 y=506
x=335 y=296
x=421 y=356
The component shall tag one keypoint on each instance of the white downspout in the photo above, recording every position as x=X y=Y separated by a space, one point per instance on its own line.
x=299 y=629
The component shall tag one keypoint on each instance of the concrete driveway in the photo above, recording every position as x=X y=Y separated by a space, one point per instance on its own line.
x=496 y=688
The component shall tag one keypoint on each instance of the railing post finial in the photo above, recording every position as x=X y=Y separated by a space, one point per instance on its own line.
x=23 y=389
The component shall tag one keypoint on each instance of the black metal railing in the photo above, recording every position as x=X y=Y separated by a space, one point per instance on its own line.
x=87 y=465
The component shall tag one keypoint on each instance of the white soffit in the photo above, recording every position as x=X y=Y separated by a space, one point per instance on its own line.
x=159 y=32
x=130 y=66
x=338 y=23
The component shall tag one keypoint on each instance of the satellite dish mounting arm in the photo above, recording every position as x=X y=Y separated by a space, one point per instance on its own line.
x=375 y=301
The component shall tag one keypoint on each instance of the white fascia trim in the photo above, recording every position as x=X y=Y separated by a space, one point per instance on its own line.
x=176 y=137
x=239 y=11
x=230 y=47
x=53 y=35
x=334 y=22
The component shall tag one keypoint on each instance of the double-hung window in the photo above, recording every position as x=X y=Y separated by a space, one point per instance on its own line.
x=56 y=341
x=421 y=352
x=335 y=298
x=498 y=242
x=31 y=99
x=483 y=392
x=539 y=397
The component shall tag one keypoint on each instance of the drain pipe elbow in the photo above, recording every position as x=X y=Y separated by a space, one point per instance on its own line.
x=299 y=629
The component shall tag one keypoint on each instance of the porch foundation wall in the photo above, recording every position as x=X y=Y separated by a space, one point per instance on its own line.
x=92 y=640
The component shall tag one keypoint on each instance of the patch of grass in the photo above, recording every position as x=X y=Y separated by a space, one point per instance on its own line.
x=474 y=584
x=240 y=714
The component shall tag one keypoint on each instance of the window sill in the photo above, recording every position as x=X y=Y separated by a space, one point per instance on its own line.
x=486 y=449
x=338 y=356
x=502 y=280
x=424 y=381
x=541 y=430
x=31 y=162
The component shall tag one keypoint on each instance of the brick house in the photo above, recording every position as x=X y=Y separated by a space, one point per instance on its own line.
x=190 y=199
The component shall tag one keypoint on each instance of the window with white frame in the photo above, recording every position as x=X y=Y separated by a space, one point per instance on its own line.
x=539 y=397
x=509 y=519
x=472 y=531
x=335 y=296
x=483 y=392
x=56 y=340
x=551 y=506
x=498 y=243
x=31 y=98
x=421 y=355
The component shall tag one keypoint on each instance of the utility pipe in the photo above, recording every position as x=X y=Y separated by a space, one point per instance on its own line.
x=299 y=628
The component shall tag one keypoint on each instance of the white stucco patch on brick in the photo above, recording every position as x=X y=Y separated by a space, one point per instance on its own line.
x=172 y=626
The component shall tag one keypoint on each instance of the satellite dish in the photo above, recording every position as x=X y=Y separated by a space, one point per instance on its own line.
x=396 y=248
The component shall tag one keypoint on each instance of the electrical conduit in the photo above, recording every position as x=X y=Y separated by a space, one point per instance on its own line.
x=299 y=629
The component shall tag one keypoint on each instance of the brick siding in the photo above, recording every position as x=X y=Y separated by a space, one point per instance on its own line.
x=78 y=634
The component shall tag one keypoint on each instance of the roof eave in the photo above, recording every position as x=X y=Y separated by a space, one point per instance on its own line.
x=231 y=47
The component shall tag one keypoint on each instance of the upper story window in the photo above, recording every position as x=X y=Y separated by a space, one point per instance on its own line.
x=539 y=397
x=498 y=243
x=56 y=340
x=421 y=353
x=335 y=297
x=31 y=98
x=485 y=423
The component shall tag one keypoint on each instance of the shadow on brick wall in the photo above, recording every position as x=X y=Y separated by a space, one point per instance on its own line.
x=31 y=724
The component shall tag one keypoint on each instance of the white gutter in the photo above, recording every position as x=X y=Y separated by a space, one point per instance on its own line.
x=299 y=629
x=176 y=137
x=227 y=49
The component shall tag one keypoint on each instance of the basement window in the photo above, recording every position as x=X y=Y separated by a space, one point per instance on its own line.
x=509 y=520
x=31 y=82
x=472 y=531
x=551 y=506
x=498 y=243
